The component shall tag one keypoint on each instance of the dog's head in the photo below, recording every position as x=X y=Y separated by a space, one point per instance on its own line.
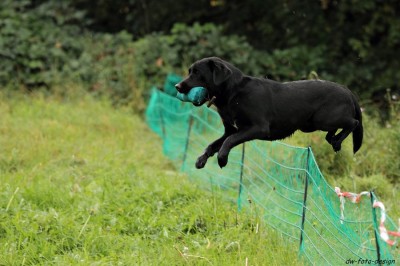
x=210 y=73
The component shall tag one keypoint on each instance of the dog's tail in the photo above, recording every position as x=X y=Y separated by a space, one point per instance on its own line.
x=358 y=132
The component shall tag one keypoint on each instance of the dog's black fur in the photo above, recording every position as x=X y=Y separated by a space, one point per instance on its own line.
x=256 y=108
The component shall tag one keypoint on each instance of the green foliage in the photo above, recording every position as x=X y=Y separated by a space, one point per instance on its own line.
x=359 y=38
x=43 y=43
x=381 y=147
x=106 y=66
x=159 y=54
x=355 y=41
x=36 y=42
x=296 y=63
x=189 y=44
x=47 y=46
x=150 y=67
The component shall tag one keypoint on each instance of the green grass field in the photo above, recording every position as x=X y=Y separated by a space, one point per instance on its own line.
x=85 y=184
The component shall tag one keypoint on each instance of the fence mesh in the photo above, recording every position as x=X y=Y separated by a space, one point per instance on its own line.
x=281 y=182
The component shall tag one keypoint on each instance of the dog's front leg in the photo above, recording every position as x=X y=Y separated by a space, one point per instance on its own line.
x=210 y=151
x=214 y=147
x=243 y=135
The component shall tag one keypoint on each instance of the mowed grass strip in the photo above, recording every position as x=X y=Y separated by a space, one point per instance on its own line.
x=85 y=184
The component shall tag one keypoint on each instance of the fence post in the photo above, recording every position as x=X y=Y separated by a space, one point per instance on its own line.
x=239 y=200
x=303 y=217
x=187 y=141
x=378 y=250
x=162 y=124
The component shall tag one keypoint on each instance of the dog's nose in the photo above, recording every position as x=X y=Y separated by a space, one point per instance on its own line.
x=178 y=86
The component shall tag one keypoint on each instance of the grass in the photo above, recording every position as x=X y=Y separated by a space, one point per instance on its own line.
x=85 y=184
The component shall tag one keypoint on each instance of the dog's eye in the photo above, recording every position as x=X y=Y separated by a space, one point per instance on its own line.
x=195 y=71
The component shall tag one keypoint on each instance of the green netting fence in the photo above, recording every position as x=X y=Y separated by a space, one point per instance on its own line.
x=282 y=181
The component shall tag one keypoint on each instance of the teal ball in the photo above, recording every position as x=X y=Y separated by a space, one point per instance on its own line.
x=196 y=95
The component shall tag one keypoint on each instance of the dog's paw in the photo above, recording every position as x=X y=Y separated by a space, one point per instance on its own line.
x=337 y=146
x=201 y=161
x=222 y=160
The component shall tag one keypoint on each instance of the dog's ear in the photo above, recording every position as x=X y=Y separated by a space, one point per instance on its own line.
x=221 y=72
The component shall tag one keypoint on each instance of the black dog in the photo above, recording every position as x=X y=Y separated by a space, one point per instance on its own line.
x=256 y=108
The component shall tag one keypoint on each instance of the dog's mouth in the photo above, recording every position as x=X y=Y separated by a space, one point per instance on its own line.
x=208 y=99
x=197 y=104
x=184 y=89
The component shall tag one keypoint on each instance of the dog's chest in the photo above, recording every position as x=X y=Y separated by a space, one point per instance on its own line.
x=235 y=124
x=229 y=116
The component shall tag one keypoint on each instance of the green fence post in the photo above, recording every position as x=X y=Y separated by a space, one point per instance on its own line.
x=378 y=250
x=239 y=201
x=187 y=141
x=303 y=217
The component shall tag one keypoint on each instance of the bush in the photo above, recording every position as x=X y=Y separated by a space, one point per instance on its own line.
x=158 y=54
x=48 y=46
x=106 y=67
x=297 y=63
x=36 y=42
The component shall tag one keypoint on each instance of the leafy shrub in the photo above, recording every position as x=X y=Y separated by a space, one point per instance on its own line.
x=43 y=46
x=297 y=63
x=106 y=67
x=36 y=42
x=192 y=43
x=159 y=54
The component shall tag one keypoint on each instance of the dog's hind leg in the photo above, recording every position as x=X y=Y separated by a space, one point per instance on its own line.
x=338 y=139
x=330 y=137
